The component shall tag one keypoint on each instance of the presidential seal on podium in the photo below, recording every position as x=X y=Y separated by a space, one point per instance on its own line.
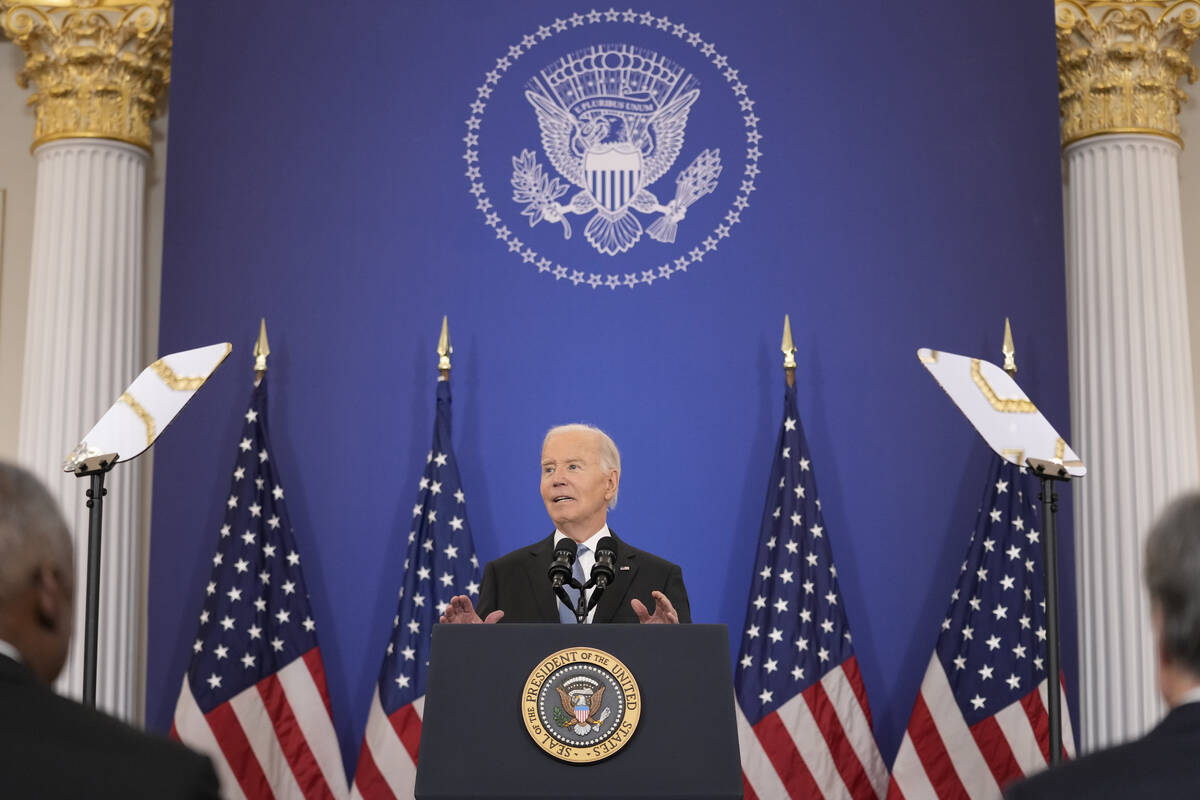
x=581 y=705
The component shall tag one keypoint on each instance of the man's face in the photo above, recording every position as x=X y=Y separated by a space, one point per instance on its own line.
x=576 y=487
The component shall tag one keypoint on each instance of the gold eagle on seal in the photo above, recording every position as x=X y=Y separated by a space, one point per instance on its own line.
x=580 y=710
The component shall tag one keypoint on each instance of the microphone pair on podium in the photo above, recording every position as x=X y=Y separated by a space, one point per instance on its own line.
x=603 y=572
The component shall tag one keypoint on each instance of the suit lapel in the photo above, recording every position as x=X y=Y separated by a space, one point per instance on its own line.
x=539 y=585
x=614 y=595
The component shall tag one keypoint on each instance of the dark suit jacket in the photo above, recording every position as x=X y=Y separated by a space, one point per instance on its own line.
x=1164 y=763
x=52 y=748
x=517 y=583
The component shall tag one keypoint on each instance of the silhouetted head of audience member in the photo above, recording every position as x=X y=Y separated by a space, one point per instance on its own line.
x=1172 y=572
x=37 y=582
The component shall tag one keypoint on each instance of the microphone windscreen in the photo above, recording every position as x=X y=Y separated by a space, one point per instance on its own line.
x=566 y=545
x=607 y=543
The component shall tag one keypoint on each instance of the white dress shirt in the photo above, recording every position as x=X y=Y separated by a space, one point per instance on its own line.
x=9 y=650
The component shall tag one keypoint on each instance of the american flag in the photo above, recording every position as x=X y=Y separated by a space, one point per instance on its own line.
x=254 y=697
x=440 y=563
x=804 y=726
x=980 y=719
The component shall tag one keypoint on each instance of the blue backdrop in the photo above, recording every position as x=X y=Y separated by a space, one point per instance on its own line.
x=890 y=177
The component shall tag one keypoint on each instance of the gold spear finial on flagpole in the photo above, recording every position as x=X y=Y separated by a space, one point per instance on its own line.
x=261 y=351
x=789 y=352
x=444 y=350
x=1010 y=361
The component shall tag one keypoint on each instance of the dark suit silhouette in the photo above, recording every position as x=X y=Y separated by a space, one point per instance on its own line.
x=517 y=584
x=52 y=748
x=1164 y=763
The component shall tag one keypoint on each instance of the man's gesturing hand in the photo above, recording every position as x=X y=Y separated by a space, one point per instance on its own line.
x=664 y=612
x=462 y=612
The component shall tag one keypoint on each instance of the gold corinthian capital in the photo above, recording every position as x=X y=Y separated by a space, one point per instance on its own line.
x=99 y=67
x=1119 y=65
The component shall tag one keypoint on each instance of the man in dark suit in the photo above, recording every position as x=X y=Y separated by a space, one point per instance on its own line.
x=52 y=747
x=581 y=473
x=1166 y=761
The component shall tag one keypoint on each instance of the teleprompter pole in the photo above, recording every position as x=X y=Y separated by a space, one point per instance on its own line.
x=1049 y=472
x=95 y=469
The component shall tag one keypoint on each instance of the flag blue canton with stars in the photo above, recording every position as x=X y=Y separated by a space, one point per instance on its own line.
x=796 y=629
x=992 y=643
x=440 y=563
x=256 y=617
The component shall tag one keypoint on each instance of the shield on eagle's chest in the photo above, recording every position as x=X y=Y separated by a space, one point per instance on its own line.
x=582 y=710
x=614 y=175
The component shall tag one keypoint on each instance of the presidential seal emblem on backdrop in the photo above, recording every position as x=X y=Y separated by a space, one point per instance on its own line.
x=585 y=157
x=581 y=705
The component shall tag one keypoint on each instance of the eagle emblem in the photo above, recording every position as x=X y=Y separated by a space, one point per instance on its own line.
x=580 y=704
x=612 y=121
x=579 y=709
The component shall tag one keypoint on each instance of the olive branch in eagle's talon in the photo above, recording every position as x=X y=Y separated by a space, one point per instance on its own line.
x=538 y=192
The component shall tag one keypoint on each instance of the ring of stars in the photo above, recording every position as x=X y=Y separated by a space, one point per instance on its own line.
x=747 y=179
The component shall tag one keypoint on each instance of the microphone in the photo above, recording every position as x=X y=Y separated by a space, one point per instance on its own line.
x=564 y=558
x=602 y=571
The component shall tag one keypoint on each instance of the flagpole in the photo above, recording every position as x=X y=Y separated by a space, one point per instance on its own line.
x=789 y=353
x=444 y=350
x=794 y=598
x=264 y=649
x=1010 y=352
x=1047 y=472
x=261 y=350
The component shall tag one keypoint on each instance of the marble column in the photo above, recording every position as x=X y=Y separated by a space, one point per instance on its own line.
x=1132 y=404
x=99 y=68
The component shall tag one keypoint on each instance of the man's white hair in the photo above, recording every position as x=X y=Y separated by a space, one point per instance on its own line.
x=31 y=529
x=610 y=456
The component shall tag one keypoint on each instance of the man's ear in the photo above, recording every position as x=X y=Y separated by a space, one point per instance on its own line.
x=1156 y=627
x=52 y=597
x=614 y=480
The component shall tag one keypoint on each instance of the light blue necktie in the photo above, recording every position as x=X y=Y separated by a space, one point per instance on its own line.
x=564 y=613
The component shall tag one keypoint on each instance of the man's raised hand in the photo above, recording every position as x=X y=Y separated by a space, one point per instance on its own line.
x=462 y=612
x=664 y=612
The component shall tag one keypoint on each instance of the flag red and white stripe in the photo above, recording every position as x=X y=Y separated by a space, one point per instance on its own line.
x=817 y=744
x=388 y=759
x=941 y=756
x=274 y=739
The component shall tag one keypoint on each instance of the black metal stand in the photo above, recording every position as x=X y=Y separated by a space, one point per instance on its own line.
x=1049 y=472
x=95 y=468
x=597 y=593
x=580 y=609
